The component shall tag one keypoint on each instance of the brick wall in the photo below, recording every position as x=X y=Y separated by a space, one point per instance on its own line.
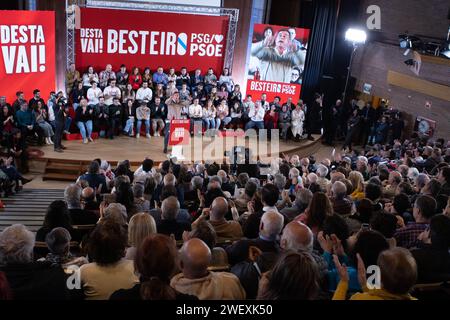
x=373 y=61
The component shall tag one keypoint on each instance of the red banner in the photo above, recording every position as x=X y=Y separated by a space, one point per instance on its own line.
x=150 y=39
x=277 y=61
x=27 y=59
x=179 y=132
x=274 y=89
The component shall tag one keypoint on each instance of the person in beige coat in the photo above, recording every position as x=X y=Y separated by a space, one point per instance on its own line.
x=195 y=278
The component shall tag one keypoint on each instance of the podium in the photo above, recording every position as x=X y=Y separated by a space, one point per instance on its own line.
x=179 y=137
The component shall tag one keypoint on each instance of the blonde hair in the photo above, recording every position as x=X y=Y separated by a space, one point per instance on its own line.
x=141 y=225
x=357 y=180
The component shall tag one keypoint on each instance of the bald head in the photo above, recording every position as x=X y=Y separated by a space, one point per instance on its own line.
x=169 y=180
x=271 y=224
x=195 y=257
x=88 y=194
x=219 y=209
x=297 y=236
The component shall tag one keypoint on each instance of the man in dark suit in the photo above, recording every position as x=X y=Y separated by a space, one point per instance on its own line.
x=169 y=224
x=270 y=227
x=79 y=216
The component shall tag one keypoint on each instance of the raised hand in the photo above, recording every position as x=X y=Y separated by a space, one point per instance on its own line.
x=341 y=269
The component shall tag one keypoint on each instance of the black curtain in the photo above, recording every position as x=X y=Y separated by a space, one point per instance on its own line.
x=319 y=60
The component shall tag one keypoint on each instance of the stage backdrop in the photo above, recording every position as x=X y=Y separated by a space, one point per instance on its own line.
x=277 y=61
x=27 y=59
x=150 y=39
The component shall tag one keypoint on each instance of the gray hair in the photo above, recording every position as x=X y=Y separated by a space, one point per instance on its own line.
x=294 y=173
x=312 y=177
x=363 y=159
x=72 y=195
x=421 y=180
x=169 y=208
x=339 y=190
x=16 y=245
x=256 y=181
x=303 y=197
x=116 y=212
x=271 y=224
x=279 y=181
x=138 y=190
x=413 y=173
x=58 y=240
x=197 y=182
x=321 y=171
x=200 y=168
x=216 y=179
x=223 y=175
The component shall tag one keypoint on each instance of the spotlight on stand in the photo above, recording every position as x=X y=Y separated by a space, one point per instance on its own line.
x=356 y=37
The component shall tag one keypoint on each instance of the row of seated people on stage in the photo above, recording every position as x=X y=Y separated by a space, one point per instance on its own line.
x=303 y=229
x=158 y=81
x=110 y=114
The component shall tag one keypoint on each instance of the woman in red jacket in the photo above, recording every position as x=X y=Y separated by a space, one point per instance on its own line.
x=270 y=120
x=135 y=79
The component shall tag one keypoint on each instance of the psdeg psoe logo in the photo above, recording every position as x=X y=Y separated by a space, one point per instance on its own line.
x=151 y=42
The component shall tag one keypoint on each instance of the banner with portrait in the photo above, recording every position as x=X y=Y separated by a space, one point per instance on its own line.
x=277 y=56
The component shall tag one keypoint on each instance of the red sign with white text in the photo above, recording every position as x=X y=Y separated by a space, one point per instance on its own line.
x=27 y=58
x=179 y=132
x=274 y=89
x=150 y=39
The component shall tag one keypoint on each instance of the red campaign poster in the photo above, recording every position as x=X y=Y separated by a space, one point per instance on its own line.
x=150 y=39
x=27 y=58
x=179 y=132
x=273 y=89
x=277 y=61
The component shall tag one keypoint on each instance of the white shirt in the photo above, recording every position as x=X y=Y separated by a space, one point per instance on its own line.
x=93 y=95
x=111 y=93
x=51 y=113
x=195 y=111
x=256 y=115
x=144 y=94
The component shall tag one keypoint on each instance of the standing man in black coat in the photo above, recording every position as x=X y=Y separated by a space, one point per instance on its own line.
x=330 y=121
x=314 y=116
x=61 y=111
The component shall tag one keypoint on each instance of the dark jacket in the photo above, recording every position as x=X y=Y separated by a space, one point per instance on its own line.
x=238 y=251
x=36 y=281
x=158 y=112
x=82 y=217
x=169 y=227
x=95 y=180
x=433 y=264
x=84 y=117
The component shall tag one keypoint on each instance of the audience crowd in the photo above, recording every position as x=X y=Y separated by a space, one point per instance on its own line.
x=305 y=229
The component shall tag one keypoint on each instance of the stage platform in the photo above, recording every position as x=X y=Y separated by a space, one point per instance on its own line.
x=74 y=160
x=135 y=150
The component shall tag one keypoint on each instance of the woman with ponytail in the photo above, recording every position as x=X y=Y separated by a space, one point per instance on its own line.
x=155 y=262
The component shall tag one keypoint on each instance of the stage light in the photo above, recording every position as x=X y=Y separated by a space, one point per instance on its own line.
x=356 y=36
